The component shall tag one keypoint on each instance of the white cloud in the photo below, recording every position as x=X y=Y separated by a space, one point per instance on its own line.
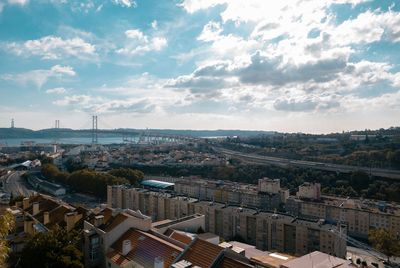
x=18 y=2
x=63 y=70
x=211 y=32
x=125 y=3
x=53 y=47
x=136 y=34
x=56 y=90
x=100 y=105
x=192 y=6
x=139 y=43
x=368 y=27
x=39 y=77
x=154 y=24
x=73 y=100
x=289 y=56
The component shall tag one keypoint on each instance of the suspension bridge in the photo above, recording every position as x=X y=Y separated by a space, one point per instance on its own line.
x=129 y=136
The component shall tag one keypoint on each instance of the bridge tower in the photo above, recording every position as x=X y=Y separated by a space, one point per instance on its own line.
x=12 y=123
x=94 y=130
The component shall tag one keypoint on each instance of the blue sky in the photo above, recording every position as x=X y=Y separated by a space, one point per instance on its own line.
x=309 y=65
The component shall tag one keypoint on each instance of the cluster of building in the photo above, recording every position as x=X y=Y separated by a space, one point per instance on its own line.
x=27 y=147
x=46 y=186
x=359 y=215
x=267 y=195
x=310 y=221
x=264 y=229
x=40 y=213
x=99 y=157
x=128 y=238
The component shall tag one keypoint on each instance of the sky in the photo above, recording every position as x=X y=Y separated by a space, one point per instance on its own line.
x=293 y=66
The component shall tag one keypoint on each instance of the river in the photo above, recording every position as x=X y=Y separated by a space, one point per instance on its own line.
x=75 y=140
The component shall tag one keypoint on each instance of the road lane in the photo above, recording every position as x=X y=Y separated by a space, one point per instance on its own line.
x=13 y=184
x=260 y=159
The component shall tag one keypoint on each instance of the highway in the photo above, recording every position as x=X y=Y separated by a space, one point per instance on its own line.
x=284 y=162
x=13 y=184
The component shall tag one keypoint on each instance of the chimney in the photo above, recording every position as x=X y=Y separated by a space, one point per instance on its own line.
x=46 y=217
x=126 y=247
x=158 y=262
x=25 y=203
x=69 y=218
x=98 y=220
x=35 y=209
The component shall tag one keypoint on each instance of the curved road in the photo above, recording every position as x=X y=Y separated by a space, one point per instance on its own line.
x=260 y=159
x=13 y=184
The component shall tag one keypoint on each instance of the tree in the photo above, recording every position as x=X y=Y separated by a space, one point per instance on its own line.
x=55 y=248
x=385 y=242
x=359 y=180
x=134 y=176
x=6 y=226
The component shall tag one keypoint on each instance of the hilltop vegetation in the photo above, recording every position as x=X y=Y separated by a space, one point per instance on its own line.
x=371 y=148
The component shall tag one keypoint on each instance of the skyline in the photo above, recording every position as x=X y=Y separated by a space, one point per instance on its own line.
x=294 y=66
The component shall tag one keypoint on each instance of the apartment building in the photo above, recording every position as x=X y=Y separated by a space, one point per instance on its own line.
x=359 y=215
x=273 y=232
x=267 y=195
x=266 y=230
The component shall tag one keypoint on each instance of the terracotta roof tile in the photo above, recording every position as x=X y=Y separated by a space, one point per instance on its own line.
x=145 y=248
x=201 y=253
x=117 y=258
x=231 y=263
x=181 y=237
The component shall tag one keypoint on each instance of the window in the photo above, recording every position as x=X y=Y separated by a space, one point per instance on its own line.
x=94 y=248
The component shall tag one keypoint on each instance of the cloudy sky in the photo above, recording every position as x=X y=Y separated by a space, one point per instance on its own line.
x=302 y=65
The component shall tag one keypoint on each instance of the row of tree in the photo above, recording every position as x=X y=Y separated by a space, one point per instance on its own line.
x=90 y=181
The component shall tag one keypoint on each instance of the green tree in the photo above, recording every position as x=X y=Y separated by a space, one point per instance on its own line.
x=134 y=176
x=385 y=242
x=6 y=226
x=55 y=248
x=359 y=180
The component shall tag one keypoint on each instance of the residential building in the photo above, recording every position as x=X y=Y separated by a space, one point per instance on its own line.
x=265 y=230
x=309 y=191
x=103 y=229
x=359 y=215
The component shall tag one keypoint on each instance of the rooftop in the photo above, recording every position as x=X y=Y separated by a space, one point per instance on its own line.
x=209 y=253
x=317 y=259
x=145 y=248
x=157 y=184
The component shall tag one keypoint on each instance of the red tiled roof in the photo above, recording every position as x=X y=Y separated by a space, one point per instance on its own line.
x=181 y=237
x=231 y=263
x=202 y=253
x=117 y=258
x=145 y=248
